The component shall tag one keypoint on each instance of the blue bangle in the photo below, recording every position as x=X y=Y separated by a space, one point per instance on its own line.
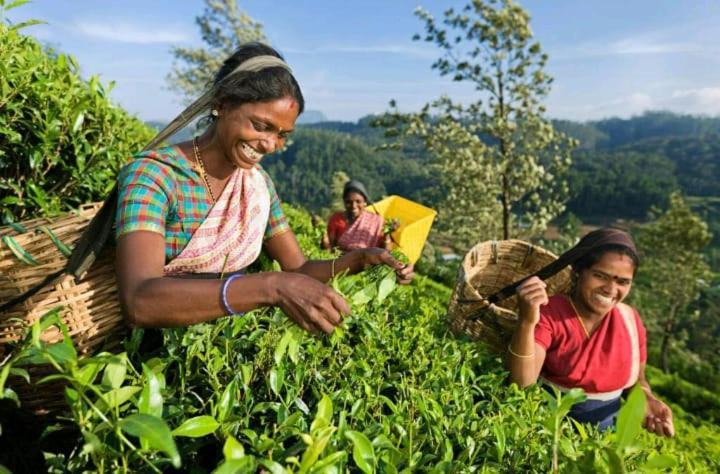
x=223 y=295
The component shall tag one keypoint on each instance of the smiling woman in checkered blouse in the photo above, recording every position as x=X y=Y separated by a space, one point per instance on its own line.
x=206 y=208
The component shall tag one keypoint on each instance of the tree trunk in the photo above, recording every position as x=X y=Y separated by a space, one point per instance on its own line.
x=505 y=207
x=665 y=344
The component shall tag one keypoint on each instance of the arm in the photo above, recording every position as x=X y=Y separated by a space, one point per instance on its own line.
x=525 y=356
x=285 y=249
x=658 y=416
x=150 y=299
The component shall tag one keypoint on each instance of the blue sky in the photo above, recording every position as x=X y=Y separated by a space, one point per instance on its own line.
x=608 y=58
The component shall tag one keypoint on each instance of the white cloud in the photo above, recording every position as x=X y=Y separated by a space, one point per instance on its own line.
x=127 y=33
x=399 y=49
x=698 y=101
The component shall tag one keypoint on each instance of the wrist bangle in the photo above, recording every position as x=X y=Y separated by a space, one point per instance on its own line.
x=519 y=356
x=332 y=269
x=223 y=295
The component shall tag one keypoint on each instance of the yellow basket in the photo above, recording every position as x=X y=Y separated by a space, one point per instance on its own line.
x=415 y=223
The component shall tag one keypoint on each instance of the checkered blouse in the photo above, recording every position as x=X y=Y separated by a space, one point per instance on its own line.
x=160 y=191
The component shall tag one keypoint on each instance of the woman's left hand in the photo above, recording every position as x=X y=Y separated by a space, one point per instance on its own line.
x=377 y=256
x=658 y=418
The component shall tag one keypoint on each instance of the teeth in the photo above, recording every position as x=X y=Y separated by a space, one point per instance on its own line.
x=250 y=152
x=603 y=299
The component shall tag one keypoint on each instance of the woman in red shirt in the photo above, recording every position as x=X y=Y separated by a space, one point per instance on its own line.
x=588 y=338
x=355 y=228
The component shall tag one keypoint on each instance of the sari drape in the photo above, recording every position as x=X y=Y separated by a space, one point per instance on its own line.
x=230 y=238
x=366 y=231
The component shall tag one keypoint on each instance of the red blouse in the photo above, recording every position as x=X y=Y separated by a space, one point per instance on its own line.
x=599 y=363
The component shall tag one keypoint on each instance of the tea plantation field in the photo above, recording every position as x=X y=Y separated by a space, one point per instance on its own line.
x=392 y=391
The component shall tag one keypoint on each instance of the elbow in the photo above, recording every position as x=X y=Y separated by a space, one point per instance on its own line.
x=136 y=311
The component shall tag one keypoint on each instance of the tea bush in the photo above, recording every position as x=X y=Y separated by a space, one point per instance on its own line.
x=61 y=139
x=391 y=391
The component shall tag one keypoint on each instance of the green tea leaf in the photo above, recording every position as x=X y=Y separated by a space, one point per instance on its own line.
x=116 y=397
x=197 y=427
x=387 y=285
x=363 y=452
x=227 y=402
x=151 y=399
x=659 y=462
x=323 y=415
x=630 y=418
x=232 y=449
x=154 y=431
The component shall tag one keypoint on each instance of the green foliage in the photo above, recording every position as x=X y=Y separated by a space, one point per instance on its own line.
x=303 y=172
x=223 y=27
x=61 y=140
x=674 y=271
x=501 y=162
x=620 y=183
x=391 y=390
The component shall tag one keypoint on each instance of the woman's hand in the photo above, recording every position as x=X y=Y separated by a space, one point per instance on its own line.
x=531 y=295
x=377 y=256
x=658 y=418
x=313 y=306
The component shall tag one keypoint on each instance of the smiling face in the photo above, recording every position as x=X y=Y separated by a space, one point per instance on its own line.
x=249 y=131
x=605 y=284
x=354 y=203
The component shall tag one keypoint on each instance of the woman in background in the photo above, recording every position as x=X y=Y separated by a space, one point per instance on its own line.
x=355 y=228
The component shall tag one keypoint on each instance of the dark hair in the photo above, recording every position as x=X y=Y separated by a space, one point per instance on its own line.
x=354 y=186
x=592 y=257
x=263 y=86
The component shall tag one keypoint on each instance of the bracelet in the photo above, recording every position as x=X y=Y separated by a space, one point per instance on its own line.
x=223 y=295
x=519 y=356
x=332 y=269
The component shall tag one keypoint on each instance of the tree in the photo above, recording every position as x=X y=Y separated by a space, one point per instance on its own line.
x=490 y=45
x=223 y=27
x=339 y=178
x=675 y=271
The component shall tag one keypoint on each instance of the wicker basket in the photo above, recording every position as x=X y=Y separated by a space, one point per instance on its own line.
x=90 y=308
x=487 y=268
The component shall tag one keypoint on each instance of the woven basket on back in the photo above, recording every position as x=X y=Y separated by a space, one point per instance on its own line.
x=487 y=268
x=90 y=308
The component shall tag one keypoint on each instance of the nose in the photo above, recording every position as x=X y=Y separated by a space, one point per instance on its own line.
x=270 y=143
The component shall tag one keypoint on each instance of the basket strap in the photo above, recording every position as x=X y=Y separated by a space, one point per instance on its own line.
x=591 y=241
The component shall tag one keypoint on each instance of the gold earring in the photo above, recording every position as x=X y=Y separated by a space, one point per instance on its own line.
x=214 y=113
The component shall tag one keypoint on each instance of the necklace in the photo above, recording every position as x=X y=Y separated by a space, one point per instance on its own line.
x=577 y=315
x=201 y=166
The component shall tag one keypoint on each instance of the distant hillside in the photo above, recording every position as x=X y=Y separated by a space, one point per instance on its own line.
x=311 y=116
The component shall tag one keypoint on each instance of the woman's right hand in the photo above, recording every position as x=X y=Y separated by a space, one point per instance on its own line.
x=313 y=306
x=531 y=295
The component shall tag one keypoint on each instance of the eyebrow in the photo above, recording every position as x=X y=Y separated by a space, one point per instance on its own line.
x=272 y=124
x=614 y=277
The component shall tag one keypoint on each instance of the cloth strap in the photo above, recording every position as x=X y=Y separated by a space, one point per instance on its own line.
x=595 y=239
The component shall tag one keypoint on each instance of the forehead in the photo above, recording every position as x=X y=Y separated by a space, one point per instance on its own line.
x=616 y=264
x=354 y=196
x=281 y=113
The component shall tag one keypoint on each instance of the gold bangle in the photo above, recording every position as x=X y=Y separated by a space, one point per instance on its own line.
x=332 y=271
x=520 y=356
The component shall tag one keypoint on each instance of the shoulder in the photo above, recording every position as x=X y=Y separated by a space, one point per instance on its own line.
x=557 y=308
x=624 y=308
x=160 y=162
x=337 y=217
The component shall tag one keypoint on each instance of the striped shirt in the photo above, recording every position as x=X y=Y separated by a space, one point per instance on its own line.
x=161 y=191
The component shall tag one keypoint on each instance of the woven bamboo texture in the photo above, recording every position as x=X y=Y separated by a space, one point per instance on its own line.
x=487 y=268
x=90 y=308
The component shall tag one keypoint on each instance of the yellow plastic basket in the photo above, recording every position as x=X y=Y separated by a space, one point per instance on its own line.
x=415 y=223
